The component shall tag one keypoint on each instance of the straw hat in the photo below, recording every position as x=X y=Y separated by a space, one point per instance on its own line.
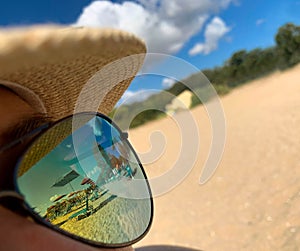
x=49 y=66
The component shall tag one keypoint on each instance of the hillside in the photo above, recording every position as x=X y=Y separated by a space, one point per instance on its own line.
x=241 y=67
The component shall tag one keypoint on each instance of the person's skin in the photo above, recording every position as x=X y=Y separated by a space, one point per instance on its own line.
x=17 y=232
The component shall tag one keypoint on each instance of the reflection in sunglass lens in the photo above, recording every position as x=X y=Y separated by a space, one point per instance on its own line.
x=70 y=180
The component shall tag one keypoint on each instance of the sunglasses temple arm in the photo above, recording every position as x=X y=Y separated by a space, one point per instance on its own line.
x=22 y=139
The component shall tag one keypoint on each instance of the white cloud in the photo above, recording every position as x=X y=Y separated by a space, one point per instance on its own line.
x=168 y=82
x=260 y=22
x=197 y=49
x=130 y=97
x=165 y=25
x=214 y=31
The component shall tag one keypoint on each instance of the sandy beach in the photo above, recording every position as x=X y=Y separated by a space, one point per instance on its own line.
x=253 y=200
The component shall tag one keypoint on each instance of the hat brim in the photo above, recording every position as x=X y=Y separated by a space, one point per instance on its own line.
x=55 y=63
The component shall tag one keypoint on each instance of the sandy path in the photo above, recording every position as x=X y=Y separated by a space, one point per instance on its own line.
x=253 y=200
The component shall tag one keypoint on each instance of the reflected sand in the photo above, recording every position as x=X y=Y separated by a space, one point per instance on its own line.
x=107 y=217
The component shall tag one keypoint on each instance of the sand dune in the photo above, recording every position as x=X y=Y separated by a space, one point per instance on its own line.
x=253 y=200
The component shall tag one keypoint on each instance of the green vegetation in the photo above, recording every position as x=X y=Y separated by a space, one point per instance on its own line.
x=242 y=67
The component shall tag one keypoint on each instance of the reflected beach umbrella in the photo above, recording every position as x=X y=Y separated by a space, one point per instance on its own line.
x=87 y=180
x=59 y=197
x=66 y=179
x=74 y=193
x=71 y=194
x=51 y=207
x=115 y=161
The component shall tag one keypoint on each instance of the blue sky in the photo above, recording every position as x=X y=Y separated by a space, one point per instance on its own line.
x=203 y=32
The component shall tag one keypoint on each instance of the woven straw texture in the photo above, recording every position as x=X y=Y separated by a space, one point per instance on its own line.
x=56 y=63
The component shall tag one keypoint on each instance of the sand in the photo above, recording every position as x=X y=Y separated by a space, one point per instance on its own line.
x=112 y=220
x=253 y=200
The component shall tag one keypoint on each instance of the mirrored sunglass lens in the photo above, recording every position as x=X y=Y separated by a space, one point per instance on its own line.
x=88 y=183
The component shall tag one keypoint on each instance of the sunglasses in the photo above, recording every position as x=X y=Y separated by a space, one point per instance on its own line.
x=81 y=177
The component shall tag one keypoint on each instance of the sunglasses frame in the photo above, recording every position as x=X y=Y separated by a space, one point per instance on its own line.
x=28 y=211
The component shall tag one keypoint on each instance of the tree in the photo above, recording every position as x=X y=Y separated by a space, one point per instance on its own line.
x=288 y=43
